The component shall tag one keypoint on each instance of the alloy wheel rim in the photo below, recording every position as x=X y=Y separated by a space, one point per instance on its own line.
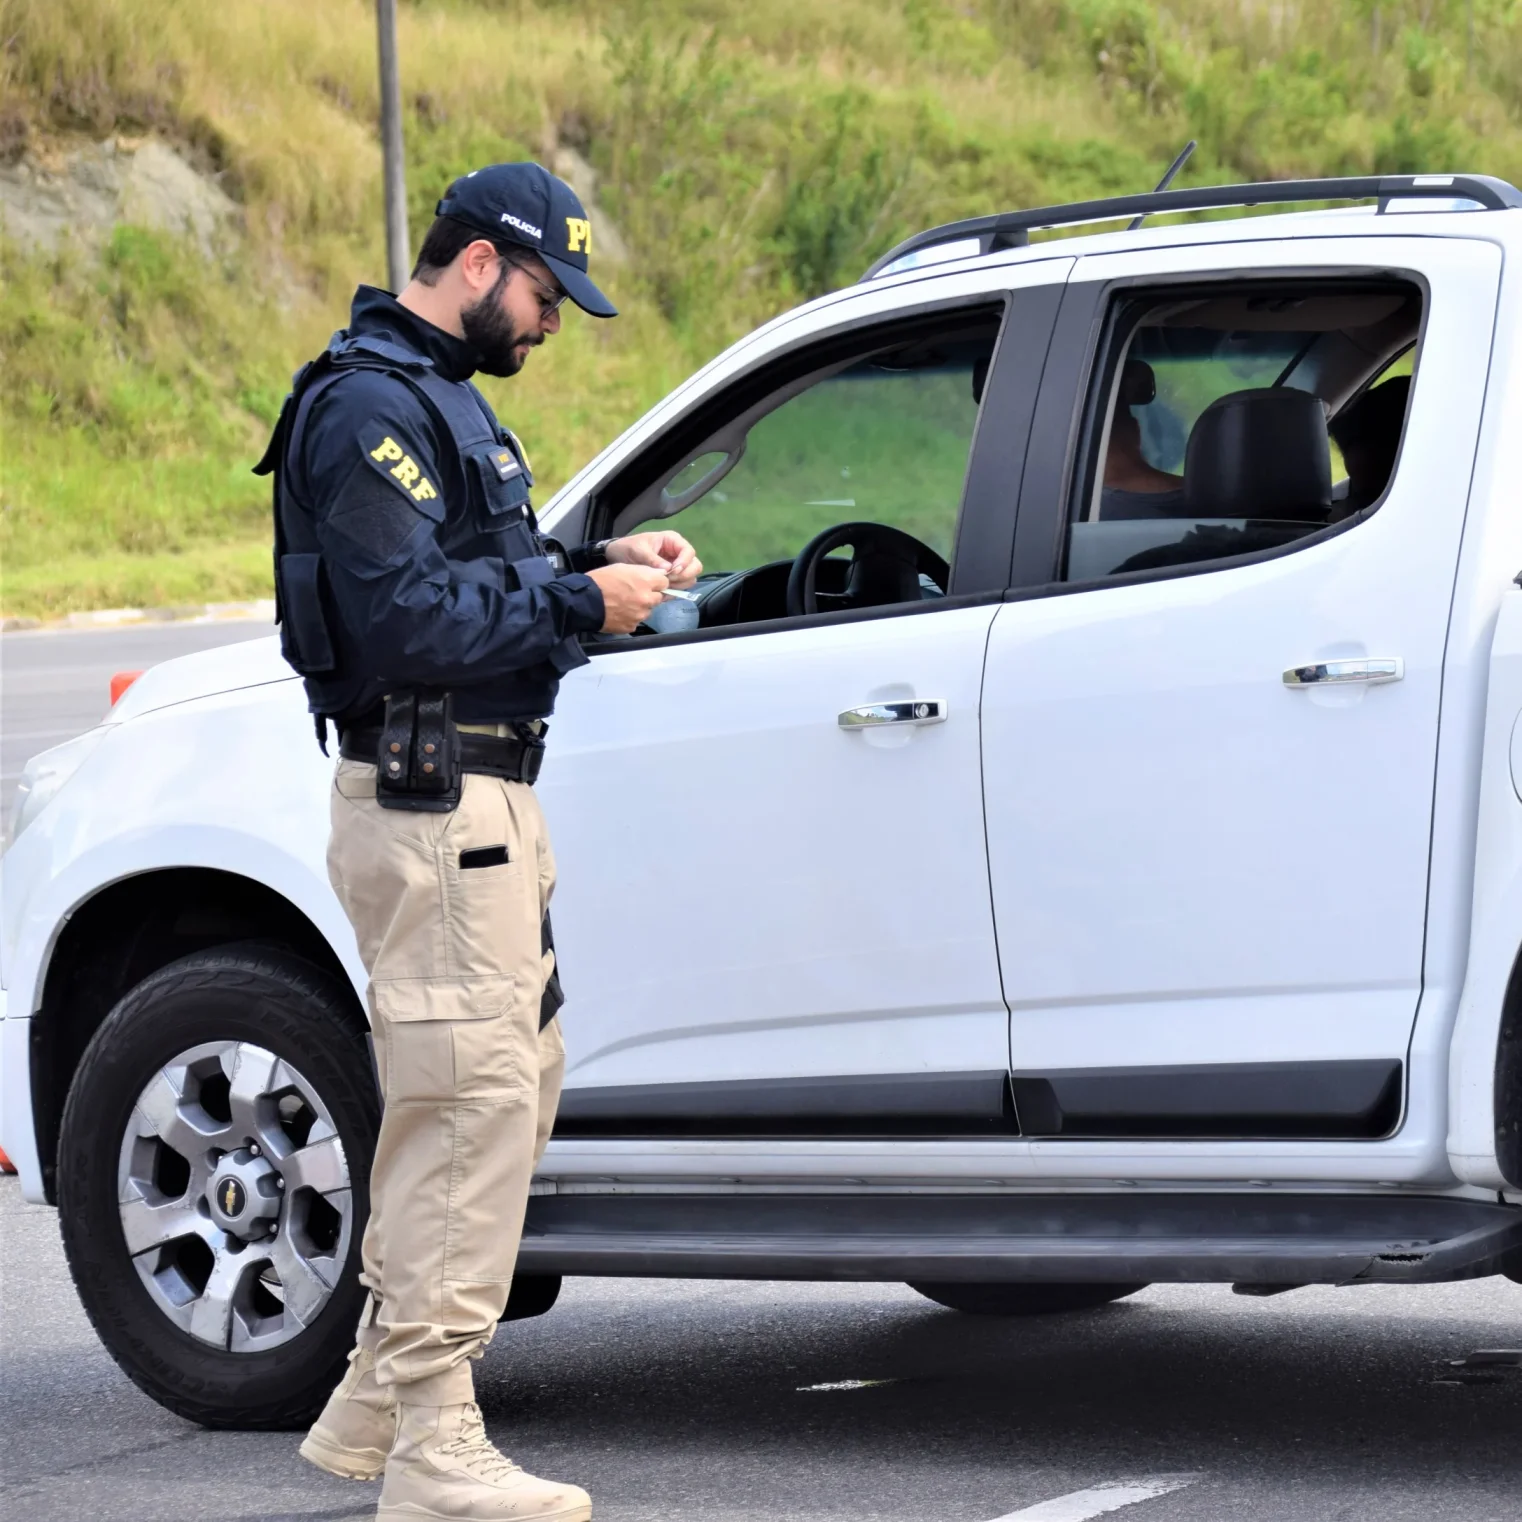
x=234 y=1196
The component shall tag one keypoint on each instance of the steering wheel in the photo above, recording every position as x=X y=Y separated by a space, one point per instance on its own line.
x=885 y=567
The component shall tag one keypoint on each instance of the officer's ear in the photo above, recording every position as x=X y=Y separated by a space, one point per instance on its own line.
x=478 y=265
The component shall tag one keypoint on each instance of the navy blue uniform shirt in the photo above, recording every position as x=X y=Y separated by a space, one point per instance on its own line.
x=420 y=594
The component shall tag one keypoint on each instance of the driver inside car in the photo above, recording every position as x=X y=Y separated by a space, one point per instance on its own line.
x=1133 y=487
x=1368 y=434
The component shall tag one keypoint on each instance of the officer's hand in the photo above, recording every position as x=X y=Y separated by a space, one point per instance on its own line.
x=629 y=593
x=665 y=550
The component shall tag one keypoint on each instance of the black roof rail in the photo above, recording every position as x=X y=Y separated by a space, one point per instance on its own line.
x=1012 y=229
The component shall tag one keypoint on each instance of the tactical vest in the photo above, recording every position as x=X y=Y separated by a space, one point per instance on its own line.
x=497 y=528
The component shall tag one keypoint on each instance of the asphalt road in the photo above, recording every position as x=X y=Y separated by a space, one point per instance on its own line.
x=54 y=684
x=698 y=1402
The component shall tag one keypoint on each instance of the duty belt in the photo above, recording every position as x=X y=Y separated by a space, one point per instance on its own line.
x=505 y=756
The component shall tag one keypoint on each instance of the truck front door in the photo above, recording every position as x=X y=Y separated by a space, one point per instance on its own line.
x=775 y=921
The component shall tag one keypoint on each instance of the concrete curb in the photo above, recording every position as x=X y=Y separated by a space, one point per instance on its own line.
x=262 y=609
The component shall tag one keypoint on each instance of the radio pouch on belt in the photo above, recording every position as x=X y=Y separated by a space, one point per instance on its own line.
x=554 y=995
x=418 y=766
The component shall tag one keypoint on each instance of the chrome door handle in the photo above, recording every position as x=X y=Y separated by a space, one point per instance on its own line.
x=1332 y=673
x=907 y=711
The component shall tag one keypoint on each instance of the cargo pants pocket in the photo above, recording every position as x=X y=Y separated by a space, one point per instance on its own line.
x=448 y=1040
x=462 y=1102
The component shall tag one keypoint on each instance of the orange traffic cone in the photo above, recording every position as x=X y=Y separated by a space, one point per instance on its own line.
x=6 y=1165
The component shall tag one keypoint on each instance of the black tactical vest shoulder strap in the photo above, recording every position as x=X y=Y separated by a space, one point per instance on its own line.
x=463 y=414
x=461 y=411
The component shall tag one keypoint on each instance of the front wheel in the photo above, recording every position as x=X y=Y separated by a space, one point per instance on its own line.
x=213 y=1177
x=1024 y=1299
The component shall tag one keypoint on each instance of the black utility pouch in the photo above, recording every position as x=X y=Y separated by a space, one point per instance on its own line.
x=554 y=995
x=418 y=766
x=531 y=738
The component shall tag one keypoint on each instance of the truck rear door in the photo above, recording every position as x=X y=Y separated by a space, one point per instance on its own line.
x=1211 y=705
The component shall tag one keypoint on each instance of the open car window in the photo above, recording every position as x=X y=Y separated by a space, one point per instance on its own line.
x=1238 y=420
x=880 y=439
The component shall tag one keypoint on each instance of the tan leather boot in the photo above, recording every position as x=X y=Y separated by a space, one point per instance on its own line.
x=443 y=1468
x=355 y=1431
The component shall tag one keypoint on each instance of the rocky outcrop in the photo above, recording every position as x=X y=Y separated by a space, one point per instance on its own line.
x=78 y=195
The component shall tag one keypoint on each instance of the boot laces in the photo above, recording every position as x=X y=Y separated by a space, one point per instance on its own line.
x=472 y=1447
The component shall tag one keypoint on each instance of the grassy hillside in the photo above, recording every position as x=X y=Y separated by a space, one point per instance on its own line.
x=751 y=156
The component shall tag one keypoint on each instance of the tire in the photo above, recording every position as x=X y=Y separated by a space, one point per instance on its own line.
x=246 y=1320
x=1024 y=1299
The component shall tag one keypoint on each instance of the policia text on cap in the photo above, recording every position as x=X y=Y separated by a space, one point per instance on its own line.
x=432 y=624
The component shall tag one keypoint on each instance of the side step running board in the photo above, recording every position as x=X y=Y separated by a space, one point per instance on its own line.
x=1002 y=1238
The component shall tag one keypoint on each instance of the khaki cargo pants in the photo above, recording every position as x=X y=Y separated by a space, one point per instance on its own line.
x=470 y=1082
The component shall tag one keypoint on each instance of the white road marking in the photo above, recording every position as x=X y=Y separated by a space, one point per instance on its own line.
x=1080 y=1505
x=845 y=1384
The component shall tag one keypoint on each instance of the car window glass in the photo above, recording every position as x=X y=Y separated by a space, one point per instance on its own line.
x=1236 y=422
x=885 y=440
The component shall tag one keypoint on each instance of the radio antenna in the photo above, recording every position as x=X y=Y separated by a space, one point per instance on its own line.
x=1166 y=180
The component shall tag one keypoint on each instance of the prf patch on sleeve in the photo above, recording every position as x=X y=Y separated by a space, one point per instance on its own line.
x=391 y=458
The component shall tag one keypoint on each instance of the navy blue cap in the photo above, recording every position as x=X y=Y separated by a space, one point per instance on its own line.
x=526 y=204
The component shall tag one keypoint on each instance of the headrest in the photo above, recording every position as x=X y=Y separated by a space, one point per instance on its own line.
x=1138 y=384
x=1259 y=454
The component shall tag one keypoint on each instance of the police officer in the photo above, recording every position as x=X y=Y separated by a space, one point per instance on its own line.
x=432 y=624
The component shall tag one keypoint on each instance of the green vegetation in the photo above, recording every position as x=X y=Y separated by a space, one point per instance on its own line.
x=888 y=446
x=745 y=170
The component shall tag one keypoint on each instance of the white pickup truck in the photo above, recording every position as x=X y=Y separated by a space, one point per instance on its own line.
x=1073 y=841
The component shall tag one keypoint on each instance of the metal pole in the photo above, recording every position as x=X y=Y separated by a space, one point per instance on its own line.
x=398 y=256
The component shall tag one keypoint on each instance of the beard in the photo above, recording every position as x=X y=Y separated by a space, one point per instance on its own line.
x=490 y=331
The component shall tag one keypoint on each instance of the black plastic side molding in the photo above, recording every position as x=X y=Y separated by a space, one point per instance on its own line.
x=881 y=1105
x=1309 y=1100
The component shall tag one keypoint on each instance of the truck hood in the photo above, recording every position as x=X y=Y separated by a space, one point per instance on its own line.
x=251 y=663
